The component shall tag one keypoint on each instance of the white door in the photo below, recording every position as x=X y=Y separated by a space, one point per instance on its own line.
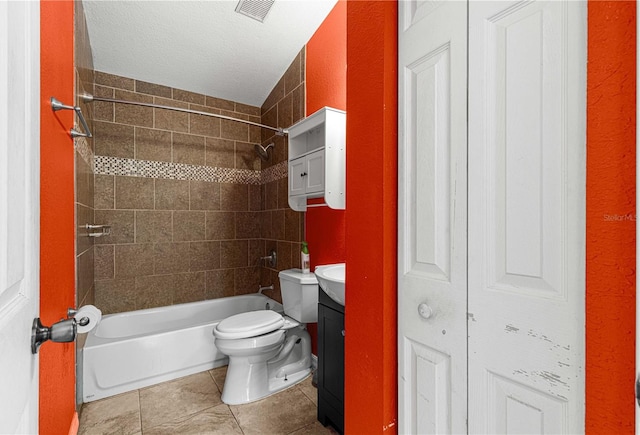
x=527 y=162
x=504 y=265
x=19 y=213
x=432 y=245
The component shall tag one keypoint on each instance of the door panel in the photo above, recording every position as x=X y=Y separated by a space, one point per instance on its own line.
x=432 y=217
x=19 y=213
x=527 y=93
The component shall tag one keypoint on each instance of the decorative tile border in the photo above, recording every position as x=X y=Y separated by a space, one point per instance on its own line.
x=105 y=165
x=275 y=172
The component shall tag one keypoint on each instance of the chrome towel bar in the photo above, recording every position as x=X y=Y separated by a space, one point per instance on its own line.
x=57 y=105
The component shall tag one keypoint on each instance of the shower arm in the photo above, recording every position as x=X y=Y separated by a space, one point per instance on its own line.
x=89 y=98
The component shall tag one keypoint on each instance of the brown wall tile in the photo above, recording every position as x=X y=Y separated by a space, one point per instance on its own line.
x=188 y=225
x=204 y=195
x=219 y=283
x=220 y=153
x=133 y=260
x=171 y=120
x=204 y=256
x=132 y=114
x=171 y=258
x=189 y=287
x=153 y=89
x=114 y=81
x=84 y=181
x=285 y=112
x=154 y=291
x=115 y=140
x=104 y=262
x=116 y=295
x=85 y=274
x=172 y=194
x=84 y=216
x=246 y=156
x=104 y=191
x=204 y=125
x=248 y=110
x=122 y=224
x=277 y=224
x=234 y=253
x=255 y=197
x=151 y=144
x=189 y=97
x=220 y=225
x=247 y=225
x=271 y=196
x=153 y=226
x=219 y=103
x=293 y=76
x=188 y=149
x=247 y=280
x=134 y=193
x=234 y=196
x=292 y=225
x=103 y=110
x=234 y=130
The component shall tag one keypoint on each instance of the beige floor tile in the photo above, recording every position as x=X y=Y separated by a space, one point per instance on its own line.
x=179 y=398
x=118 y=414
x=315 y=429
x=213 y=421
x=309 y=390
x=219 y=375
x=282 y=413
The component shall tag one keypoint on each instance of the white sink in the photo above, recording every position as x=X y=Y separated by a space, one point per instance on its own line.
x=331 y=280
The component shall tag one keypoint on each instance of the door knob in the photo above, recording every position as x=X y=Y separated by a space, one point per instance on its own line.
x=425 y=311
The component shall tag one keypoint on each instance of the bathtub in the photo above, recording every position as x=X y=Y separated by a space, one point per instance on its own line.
x=132 y=350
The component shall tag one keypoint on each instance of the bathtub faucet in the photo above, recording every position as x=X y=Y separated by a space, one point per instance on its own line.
x=261 y=289
x=272 y=258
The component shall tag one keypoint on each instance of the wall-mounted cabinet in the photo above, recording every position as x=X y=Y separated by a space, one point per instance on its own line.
x=317 y=159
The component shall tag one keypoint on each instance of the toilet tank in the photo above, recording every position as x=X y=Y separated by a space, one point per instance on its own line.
x=299 y=295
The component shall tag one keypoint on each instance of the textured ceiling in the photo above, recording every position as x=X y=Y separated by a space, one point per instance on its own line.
x=201 y=46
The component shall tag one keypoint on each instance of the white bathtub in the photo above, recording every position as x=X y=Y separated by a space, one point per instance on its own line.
x=127 y=351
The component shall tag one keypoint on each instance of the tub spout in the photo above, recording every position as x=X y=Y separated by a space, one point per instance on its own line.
x=261 y=289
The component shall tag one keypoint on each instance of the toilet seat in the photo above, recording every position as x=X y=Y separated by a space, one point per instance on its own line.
x=249 y=324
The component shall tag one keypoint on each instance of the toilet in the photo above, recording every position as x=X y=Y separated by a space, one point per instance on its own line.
x=267 y=351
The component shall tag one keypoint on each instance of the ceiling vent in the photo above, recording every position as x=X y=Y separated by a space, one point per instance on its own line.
x=256 y=9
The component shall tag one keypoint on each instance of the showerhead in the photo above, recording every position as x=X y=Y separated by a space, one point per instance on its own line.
x=263 y=152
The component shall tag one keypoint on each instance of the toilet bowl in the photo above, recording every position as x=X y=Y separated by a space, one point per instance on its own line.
x=267 y=351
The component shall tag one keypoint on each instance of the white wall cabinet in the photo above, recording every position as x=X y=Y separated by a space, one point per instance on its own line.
x=317 y=159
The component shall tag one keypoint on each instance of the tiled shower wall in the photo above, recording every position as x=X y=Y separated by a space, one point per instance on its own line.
x=84 y=181
x=282 y=228
x=83 y=165
x=191 y=207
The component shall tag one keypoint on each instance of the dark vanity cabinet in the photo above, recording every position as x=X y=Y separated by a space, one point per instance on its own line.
x=330 y=362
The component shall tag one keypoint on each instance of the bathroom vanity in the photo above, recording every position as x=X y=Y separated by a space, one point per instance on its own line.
x=330 y=362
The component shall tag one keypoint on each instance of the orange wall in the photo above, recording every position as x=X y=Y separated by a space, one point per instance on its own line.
x=57 y=273
x=326 y=82
x=610 y=304
x=371 y=224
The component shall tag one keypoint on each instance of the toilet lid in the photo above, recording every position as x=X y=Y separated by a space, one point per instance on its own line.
x=249 y=324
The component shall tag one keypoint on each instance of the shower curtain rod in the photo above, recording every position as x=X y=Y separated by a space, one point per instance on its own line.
x=88 y=98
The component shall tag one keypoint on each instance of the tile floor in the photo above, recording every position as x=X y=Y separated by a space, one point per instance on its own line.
x=192 y=405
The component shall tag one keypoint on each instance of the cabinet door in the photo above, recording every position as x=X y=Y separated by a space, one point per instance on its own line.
x=331 y=356
x=315 y=172
x=296 y=176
